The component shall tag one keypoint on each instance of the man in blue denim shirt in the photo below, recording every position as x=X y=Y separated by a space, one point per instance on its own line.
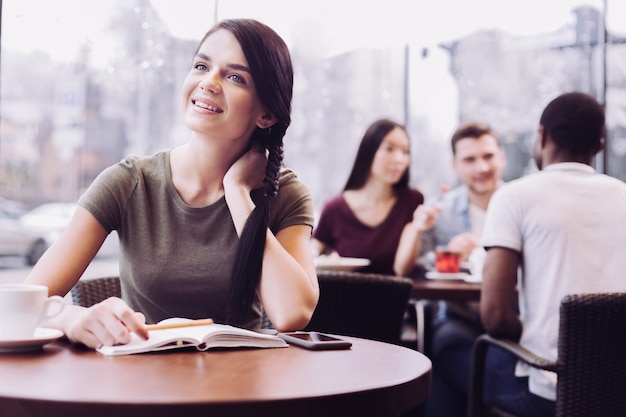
x=478 y=160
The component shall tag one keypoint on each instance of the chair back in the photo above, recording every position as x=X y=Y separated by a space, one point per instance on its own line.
x=370 y=306
x=88 y=292
x=592 y=355
x=591 y=366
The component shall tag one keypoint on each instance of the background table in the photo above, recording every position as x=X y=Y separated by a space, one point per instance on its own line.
x=429 y=290
x=370 y=379
x=449 y=290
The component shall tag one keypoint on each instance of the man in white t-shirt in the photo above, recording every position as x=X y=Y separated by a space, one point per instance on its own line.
x=564 y=229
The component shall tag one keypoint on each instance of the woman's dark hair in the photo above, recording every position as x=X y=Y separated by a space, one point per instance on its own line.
x=575 y=122
x=271 y=69
x=370 y=143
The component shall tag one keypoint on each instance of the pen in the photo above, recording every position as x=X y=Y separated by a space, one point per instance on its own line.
x=201 y=322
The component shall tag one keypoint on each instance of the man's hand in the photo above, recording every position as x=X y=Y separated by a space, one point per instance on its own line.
x=464 y=244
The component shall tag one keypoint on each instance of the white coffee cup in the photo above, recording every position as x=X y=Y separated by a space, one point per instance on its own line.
x=23 y=307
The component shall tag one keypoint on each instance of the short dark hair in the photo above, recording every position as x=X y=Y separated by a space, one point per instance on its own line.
x=370 y=143
x=575 y=123
x=473 y=130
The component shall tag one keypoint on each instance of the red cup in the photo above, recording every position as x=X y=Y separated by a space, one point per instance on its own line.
x=447 y=261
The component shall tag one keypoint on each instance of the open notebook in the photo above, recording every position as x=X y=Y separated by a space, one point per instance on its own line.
x=201 y=337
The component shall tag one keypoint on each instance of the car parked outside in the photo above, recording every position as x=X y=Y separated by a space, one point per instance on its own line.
x=19 y=240
x=13 y=208
x=49 y=218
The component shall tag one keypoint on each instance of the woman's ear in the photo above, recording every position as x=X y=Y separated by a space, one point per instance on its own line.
x=266 y=120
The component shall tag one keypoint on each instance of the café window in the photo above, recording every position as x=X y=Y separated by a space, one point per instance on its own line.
x=85 y=83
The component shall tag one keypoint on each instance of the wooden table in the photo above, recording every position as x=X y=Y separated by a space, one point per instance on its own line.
x=449 y=290
x=370 y=379
x=425 y=290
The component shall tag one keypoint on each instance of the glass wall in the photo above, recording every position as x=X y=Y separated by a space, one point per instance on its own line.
x=84 y=83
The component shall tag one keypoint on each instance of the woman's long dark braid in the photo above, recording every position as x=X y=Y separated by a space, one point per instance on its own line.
x=248 y=262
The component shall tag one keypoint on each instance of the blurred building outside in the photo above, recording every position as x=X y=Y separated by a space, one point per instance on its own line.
x=63 y=123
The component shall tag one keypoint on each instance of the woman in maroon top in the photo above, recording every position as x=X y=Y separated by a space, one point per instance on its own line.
x=377 y=216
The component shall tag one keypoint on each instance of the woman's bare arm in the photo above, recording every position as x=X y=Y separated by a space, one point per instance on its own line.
x=66 y=260
x=424 y=218
x=62 y=266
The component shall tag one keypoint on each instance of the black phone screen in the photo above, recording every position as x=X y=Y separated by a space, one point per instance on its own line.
x=315 y=340
x=314 y=337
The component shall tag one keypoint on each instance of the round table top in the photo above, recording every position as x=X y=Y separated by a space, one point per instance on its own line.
x=371 y=378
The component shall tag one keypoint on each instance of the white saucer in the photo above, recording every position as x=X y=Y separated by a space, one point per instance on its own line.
x=336 y=263
x=455 y=276
x=473 y=279
x=42 y=336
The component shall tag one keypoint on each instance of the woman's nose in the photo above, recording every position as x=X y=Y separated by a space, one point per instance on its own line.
x=400 y=156
x=210 y=82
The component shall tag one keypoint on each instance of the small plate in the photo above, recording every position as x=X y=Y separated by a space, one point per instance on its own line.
x=42 y=336
x=334 y=263
x=473 y=279
x=454 y=276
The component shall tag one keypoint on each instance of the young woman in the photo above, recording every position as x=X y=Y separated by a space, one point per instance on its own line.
x=197 y=235
x=377 y=216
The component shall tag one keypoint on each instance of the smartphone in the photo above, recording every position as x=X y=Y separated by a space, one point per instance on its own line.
x=315 y=340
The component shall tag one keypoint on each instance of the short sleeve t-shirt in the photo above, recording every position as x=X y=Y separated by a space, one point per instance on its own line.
x=176 y=260
x=567 y=222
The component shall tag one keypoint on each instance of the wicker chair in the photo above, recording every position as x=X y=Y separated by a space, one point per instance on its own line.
x=591 y=366
x=370 y=306
x=91 y=291
x=88 y=292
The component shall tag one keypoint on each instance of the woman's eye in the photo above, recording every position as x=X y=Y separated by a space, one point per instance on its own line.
x=200 y=66
x=237 y=78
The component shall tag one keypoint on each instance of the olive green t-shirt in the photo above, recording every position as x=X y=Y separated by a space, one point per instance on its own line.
x=176 y=260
